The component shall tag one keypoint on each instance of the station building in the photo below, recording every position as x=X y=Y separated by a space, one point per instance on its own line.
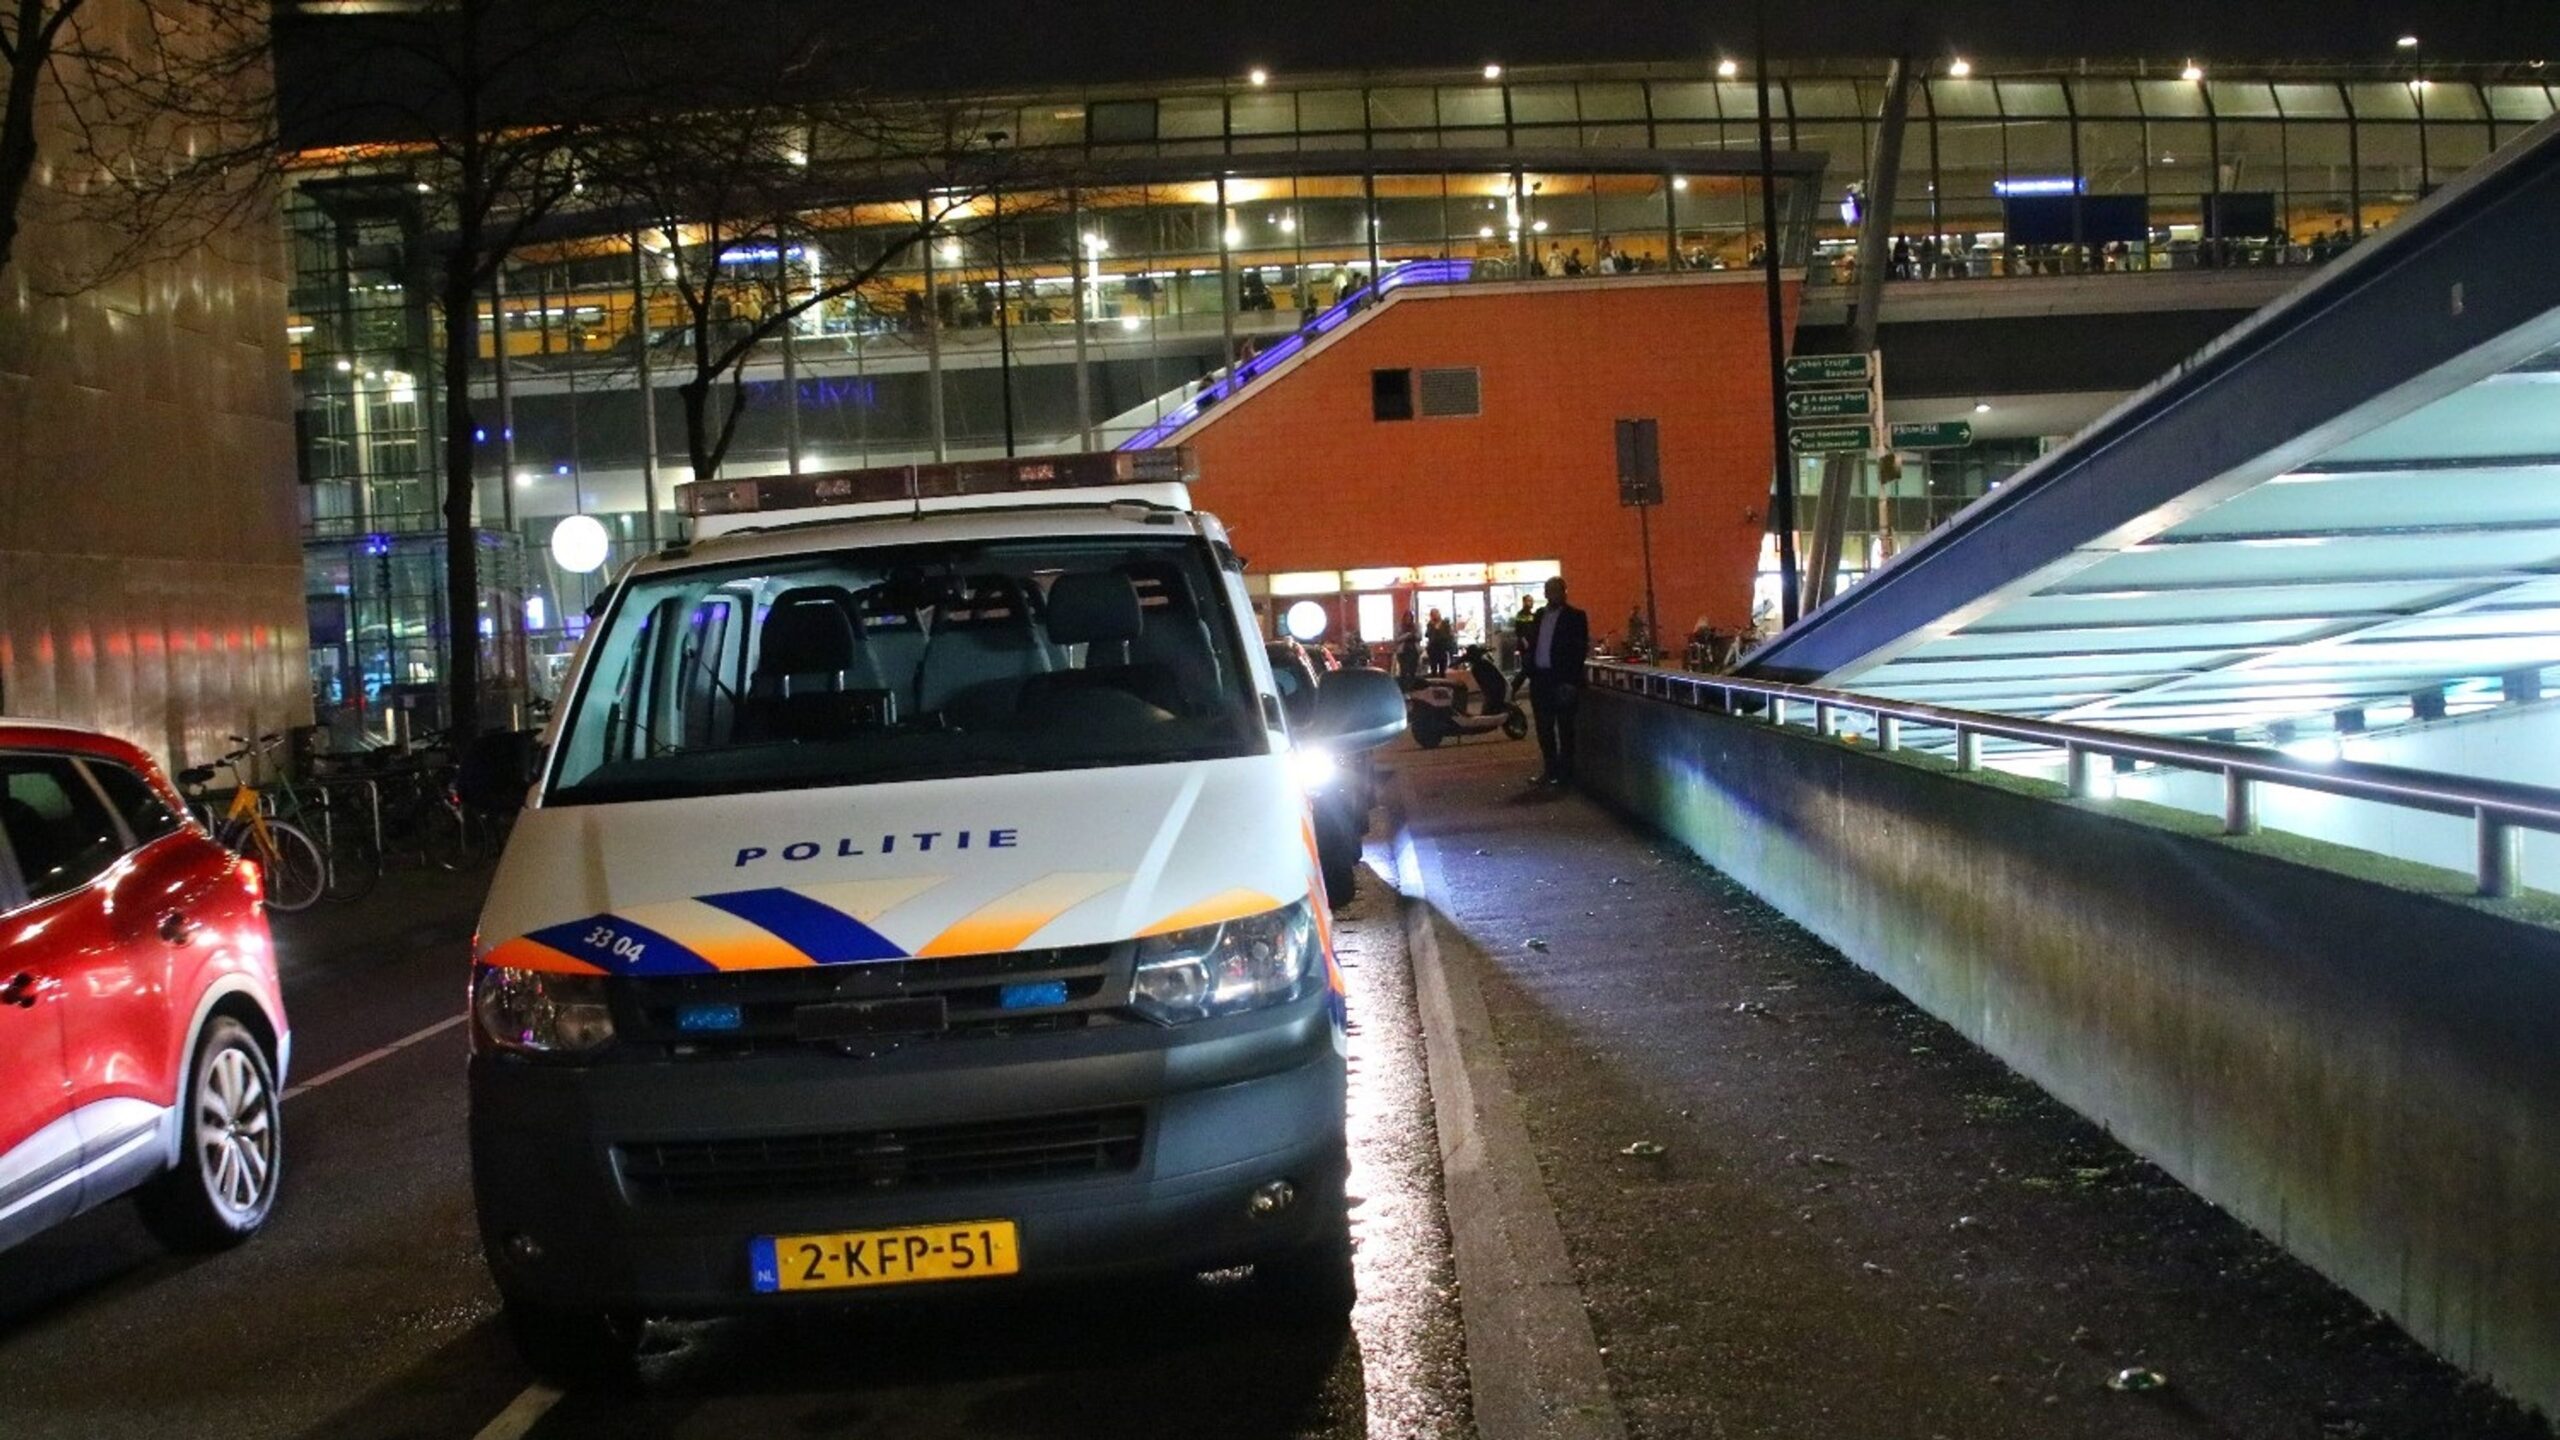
x=1396 y=312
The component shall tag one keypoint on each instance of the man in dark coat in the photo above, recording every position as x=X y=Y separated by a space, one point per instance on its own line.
x=1559 y=642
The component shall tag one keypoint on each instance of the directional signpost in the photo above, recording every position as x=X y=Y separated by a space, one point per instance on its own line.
x=1834 y=402
x=1810 y=370
x=1829 y=404
x=1930 y=435
x=1813 y=439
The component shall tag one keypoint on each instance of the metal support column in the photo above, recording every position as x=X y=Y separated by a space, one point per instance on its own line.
x=933 y=330
x=1782 y=500
x=1875 y=255
x=790 y=363
x=506 y=397
x=648 y=393
x=1080 y=260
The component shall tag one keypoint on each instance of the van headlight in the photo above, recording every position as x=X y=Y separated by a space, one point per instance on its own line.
x=1227 y=968
x=535 y=1012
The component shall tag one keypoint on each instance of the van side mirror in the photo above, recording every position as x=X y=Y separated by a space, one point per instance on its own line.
x=1358 y=709
x=494 y=771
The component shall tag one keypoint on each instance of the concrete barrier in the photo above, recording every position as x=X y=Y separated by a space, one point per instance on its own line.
x=2367 y=1075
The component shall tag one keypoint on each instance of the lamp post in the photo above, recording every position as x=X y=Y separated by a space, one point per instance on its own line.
x=1004 y=305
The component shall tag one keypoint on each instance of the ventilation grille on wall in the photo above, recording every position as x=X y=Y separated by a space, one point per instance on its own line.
x=1450 y=392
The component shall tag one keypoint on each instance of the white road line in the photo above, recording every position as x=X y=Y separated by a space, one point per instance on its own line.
x=521 y=1414
x=395 y=1047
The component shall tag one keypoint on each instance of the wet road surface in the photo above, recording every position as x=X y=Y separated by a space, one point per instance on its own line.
x=364 y=1309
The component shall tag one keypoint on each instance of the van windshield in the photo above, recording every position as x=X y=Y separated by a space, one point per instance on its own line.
x=910 y=662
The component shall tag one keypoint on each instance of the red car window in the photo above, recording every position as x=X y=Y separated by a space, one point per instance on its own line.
x=63 y=836
x=143 y=811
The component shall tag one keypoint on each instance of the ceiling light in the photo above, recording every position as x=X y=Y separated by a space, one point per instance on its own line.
x=1493 y=72
x=2408 y=42
x=1257 y=76
x=1540 y=227
x=1959 y=67
x=1132 y=322
x=2193 y=71
x=1981 y=407
x=1484 y=232
x=1728 y=68
x=1233 y=236
x=1679 y=182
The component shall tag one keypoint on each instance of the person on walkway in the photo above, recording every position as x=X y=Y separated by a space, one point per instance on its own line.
x=1441 y=641
x=1524 y=628
x=1559 y=643
x=1637 y=636
x=1408 y=653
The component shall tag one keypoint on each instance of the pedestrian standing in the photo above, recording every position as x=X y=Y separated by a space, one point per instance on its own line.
x=1523 y=629
x=1442 y=643
x=1408 y=653
x=1560 y=641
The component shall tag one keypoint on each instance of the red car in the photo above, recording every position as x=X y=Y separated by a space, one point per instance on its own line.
x=142 y=1034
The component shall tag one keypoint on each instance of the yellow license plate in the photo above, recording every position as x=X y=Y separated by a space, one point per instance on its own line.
x=964 y=1251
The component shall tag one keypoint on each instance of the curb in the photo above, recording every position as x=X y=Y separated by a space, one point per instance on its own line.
x=1533 y=1366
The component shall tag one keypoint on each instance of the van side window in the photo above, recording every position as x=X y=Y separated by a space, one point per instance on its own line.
x=63 y=836
x=144 y=812
x=710 y=648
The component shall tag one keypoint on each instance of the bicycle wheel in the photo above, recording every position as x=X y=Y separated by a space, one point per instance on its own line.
x=297 y=874
x=445 y=838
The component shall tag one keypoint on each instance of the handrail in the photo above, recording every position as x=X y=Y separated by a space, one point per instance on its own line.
x=2498 y=808
x=1411 y=272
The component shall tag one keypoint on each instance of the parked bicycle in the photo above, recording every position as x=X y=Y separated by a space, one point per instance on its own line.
x=295 y=871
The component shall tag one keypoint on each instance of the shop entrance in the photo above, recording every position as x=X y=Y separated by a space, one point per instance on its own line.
x=1372 y=607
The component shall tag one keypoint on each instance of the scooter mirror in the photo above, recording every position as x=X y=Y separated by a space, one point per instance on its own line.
x=1358 y=709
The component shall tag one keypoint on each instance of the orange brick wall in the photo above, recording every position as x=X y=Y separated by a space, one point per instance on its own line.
x=1307 y=480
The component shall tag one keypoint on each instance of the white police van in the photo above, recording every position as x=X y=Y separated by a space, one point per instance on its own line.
x=917 y=888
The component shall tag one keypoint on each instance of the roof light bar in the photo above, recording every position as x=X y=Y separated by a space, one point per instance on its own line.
x=1029 y=474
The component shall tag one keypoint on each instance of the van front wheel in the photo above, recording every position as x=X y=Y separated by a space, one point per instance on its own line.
x=1312 y=1285
x=576 y=1349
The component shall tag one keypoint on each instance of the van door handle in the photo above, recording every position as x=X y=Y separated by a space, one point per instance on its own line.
x=176 y=928
x=26 y=987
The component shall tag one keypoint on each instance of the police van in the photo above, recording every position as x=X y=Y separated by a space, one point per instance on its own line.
x=917 y=889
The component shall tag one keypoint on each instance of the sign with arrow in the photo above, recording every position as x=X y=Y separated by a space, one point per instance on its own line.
x=1828 y=370
x=1816 y=438
x=1930 y=435
x=1829 y=404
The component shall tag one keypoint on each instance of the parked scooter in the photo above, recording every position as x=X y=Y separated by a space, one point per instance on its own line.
x=1435 y=712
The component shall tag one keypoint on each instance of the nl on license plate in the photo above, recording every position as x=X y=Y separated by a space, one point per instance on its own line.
x=963 y=1251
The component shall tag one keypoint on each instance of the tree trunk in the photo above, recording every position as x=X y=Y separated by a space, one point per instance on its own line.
x=461 y=302
x=18 y=123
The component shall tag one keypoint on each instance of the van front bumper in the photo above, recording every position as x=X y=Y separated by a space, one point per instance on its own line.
x=1228 y=1107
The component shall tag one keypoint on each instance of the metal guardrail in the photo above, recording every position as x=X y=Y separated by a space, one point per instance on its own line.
x=2499 y=810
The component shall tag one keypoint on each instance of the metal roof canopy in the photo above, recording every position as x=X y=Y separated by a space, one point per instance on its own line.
x=2350 y=500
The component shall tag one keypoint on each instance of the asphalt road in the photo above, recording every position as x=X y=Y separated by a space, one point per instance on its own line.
x=364 y=1309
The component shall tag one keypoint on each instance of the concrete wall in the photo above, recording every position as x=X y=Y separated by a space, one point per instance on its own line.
x=2365 y=1075
x=150 y=572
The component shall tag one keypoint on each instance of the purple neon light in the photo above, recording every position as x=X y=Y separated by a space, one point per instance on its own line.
x=1412 y=272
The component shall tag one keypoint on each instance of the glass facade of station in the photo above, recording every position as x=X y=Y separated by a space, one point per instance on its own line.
x=1204 y=223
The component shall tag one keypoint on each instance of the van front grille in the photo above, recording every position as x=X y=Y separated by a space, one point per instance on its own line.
x=990 y=1152
x=743 y=1011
